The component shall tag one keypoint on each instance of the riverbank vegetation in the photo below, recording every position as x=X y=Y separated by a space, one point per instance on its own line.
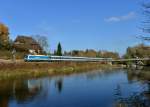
x=139 y=51
x=38 y=69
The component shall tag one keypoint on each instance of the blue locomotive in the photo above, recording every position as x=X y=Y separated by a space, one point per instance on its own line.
x=30 y=58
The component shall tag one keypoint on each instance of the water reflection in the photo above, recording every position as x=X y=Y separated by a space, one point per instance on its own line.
x=20 y=90
x=25 y=91
x=136 y=99
x=59 y=84
x=99 y=74
x=119 y=88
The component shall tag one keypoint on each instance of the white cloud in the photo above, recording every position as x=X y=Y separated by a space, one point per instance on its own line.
x=130 y=15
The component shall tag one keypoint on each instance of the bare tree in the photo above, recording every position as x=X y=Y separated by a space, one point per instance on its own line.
x=42 y=41
x=146 y=22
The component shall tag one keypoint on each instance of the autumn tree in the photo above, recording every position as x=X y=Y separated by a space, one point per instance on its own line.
x=93 y=53
x=139 y=51
x=4 y=36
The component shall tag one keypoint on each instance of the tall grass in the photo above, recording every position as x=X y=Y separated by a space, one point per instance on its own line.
x=32 y=69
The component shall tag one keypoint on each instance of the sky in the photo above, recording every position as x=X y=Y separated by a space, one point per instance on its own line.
x=78 y=24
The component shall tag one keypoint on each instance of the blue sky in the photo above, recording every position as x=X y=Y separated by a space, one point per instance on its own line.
x=77 y=24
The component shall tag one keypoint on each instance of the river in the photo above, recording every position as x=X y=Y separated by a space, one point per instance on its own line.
x=110 y=88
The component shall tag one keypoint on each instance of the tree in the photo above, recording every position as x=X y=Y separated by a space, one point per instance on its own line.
x=4 y=36
x=75 y=53
x=42 y=41
x=59 y=49
x=139 y=51
x=146 y=22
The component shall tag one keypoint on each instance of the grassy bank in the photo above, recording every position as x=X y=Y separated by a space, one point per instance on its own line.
x=38 y=69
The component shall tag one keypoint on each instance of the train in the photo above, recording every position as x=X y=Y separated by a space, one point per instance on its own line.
x=52 y=58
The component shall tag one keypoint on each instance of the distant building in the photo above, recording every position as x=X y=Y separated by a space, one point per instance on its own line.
x=26 y=44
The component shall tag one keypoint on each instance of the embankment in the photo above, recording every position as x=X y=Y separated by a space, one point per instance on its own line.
x=22 y=69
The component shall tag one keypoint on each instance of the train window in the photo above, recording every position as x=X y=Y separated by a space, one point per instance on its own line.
x=26 y=56
x=40 y=57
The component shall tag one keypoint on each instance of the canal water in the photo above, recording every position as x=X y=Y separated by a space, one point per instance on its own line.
x=111 y=88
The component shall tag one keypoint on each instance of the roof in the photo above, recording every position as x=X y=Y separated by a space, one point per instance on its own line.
x=24 y=43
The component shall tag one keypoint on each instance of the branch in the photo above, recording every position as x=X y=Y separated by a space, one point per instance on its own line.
x=146 y=38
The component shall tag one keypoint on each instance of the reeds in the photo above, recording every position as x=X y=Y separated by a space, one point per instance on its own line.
x=39 y=69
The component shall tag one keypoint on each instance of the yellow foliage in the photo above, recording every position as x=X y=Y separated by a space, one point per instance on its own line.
x=4 y=32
